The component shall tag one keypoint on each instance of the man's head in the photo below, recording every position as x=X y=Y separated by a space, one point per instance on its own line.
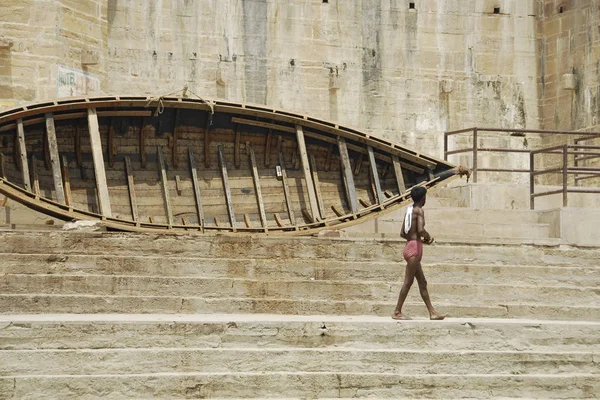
x=418 y=194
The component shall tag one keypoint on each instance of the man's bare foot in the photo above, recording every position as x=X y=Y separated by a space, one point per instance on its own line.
x=437 y=317
x=400 y=316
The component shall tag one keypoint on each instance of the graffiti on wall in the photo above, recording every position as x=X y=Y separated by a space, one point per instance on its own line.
x=71 y=82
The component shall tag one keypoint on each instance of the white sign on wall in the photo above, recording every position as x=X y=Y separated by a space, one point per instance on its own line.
x=72 y=82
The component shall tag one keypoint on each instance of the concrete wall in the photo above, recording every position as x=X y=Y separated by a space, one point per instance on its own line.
x=400 y=72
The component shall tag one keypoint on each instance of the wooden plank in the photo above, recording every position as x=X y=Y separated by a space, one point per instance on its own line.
x=23 y=155
x=375 y=176
x=247 y=221
x=99 y=171
x=365 y=203
x=165 y=185
x=315 y=178
x=45 y=151
x=350 y=146
x=196 y=189
x=337 y=211
x=226 y=187
x=77 y=144
x=236 y=150
x=34 y=177
x=278 y=220
x=399 y=176
x=175 y=138
x=66 y=181
x=358 y=164
x=207 y=144
x=255 y=178
x=347 y=174
x=143 y=162
x=54 y=159
x=328 y=158
x=131 y=189
x=178 y=185
x=286 y=189
x=268 y=142
x=308 y=216
x=110 y=143
x=312 y=197
x=295 y=157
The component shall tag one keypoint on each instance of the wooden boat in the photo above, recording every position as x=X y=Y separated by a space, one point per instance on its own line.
x=178 y=164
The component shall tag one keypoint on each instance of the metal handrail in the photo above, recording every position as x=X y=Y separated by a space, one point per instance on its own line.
x=564 y=169
x=475 y=150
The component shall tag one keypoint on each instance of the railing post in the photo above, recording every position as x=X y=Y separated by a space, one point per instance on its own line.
x=565 y=175
x=445 y=146
x=531 y=180
x=474 y=155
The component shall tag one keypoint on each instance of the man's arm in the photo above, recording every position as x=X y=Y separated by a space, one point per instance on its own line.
x=421 y=227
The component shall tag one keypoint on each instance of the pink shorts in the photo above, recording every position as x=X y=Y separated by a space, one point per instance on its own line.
x=413 y=248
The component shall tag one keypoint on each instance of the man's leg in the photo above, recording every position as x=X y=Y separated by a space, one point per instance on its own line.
x=425 y=294
x=409 y=277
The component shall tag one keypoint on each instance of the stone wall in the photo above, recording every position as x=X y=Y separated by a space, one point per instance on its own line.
x=401 y=69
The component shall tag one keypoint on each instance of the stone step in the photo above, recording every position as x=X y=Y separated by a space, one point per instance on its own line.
x=301 y=384
x=493 y=230
x=131 y=331
x=460 y=215
x=340 y=359
x=295 y=290
x=339 y=270
x=502 y=251
x=53 y=303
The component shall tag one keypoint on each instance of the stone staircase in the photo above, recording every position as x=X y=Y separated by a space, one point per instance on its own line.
x=89 y=315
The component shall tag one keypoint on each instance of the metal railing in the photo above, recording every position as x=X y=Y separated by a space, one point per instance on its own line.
x=475 y=149
x=565 y=170
x=577 y=152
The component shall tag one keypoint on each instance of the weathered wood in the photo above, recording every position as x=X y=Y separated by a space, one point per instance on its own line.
x=226 y=187
x=375 y=176
x=23 y=155
x=247 y=221
x=34 y=177
x=66 y=181
x=54 y=159
x=399 y=176
x=2 y=170
x=196 y=189
x=131 y=189
x=278 y=220
x=99 y=171
x=45 y=150
x=175 y=138
x=308 y=216
x=236 y=150
x=347 y=175
x=328 y=158
x=295 y=157
x=178 y=186
x=286 y=189
x=165 y=184
x=110 y=143
x=315 y=178
x=207 y=144
x=77 y=144
x=255 y=178
x=365 y=203
x=388 y=194
x=268 y=141
x=337 y=211
x=143 y=162
x=350 y=146
x=358 y=164
x=312 y=197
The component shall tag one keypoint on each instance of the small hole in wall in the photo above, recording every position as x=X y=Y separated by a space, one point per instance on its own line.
x=411 y=5
x=292 y=62
x=561 y=9
x=325 y=1
x=496 y=10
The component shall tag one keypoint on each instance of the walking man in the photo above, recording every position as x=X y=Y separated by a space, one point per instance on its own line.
x=413 y=230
